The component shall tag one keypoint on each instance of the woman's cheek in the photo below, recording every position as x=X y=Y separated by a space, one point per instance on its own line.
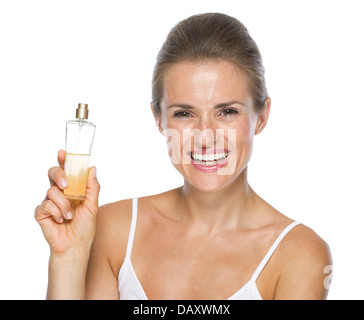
x=173 y=140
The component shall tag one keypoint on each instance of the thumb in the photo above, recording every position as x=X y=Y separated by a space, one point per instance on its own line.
x=92 y=188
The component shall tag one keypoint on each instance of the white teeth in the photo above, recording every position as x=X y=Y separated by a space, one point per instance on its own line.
x=209 y=159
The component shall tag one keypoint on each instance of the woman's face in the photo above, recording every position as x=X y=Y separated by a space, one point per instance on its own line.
x=208 y=118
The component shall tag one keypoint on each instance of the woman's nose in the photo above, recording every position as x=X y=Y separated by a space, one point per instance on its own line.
x=205 y=122
x=204 y=132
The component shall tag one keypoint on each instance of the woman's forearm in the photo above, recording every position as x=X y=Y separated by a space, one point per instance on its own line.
x=67 y=275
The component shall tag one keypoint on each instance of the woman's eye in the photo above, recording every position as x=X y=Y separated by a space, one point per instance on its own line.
x=182 y=114
x=228 y=112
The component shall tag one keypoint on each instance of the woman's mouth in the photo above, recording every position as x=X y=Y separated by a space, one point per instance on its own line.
x=209 y=161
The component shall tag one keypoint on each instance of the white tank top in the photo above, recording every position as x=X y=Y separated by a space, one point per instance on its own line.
x=130 y=287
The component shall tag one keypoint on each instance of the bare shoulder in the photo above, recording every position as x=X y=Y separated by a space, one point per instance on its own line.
x=115 y=218
x=304 y=244
x=114 y=215
x=303 y=257
x=112 y=230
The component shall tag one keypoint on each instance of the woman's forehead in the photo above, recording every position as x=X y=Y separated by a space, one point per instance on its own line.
x=204 y=82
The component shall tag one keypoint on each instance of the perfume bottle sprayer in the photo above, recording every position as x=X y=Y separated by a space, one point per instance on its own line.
x=79 y=139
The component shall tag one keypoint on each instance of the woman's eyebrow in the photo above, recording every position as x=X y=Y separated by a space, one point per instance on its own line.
x=183 y=106
x=228 y=104
x=218 y=106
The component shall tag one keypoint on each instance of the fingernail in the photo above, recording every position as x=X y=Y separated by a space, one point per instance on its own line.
x=69 y=215
x=61 y=220
x=95 y=176
x=64 y=183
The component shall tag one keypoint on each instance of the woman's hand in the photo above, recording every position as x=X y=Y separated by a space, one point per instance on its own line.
x=68 y=224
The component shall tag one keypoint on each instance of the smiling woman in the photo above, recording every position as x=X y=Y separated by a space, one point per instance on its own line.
x=211 y=238
x=202 y=102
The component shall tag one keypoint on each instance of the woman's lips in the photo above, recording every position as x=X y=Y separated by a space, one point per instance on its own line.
x=209 y=160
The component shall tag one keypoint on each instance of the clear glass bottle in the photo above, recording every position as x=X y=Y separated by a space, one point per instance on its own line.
x=79 y=139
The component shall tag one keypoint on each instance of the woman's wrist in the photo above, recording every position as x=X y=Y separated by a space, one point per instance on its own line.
x=71 y=254
x=67 y=274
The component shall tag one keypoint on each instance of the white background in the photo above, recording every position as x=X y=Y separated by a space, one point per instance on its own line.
x=308 y=162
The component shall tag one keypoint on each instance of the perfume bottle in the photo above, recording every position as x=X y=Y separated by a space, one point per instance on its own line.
x=79 y=139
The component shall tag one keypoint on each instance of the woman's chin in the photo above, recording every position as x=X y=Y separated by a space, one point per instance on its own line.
x=210 y=183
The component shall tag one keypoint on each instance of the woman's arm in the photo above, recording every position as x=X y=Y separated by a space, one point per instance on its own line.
x=69 y=228
x=108 y=250
x=67 y=275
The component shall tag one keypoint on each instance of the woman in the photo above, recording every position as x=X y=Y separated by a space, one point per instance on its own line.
x=212 y=238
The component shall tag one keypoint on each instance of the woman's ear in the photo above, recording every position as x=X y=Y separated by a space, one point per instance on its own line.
x=263 y=117
x=157 y=119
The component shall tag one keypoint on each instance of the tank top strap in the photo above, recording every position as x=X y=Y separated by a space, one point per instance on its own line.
x=272 y=249
x=134 y=216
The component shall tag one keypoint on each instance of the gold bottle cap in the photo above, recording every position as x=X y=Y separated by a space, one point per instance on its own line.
x=82 y=111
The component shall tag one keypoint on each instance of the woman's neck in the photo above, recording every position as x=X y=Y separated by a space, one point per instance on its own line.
x=229 y=207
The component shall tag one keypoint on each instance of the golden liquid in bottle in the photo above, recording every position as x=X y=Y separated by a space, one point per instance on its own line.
x=76 y=168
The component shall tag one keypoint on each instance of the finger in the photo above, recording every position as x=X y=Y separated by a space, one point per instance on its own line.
x=46 y=210
x=93 y=189
x=61 y=158
x=57 y=197
x=57 y=177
